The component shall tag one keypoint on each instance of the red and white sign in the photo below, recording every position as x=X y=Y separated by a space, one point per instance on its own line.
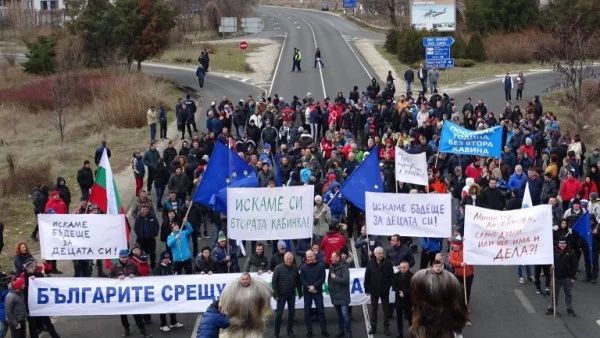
x=243 y=45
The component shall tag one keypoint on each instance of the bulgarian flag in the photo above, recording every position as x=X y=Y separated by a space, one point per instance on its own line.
x=105 y=195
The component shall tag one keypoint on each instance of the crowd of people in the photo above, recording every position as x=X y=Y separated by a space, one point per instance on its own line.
x=304 y=141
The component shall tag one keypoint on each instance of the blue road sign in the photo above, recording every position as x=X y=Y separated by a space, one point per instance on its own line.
x=438 y=41
x=441 y=63
x=437 y=52
x=349 y=4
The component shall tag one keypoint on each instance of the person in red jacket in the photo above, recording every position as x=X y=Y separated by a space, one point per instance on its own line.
x=56 y=204
x=332 y=241
x=569 y=187
x=326 y=147
x=588 y=187
x=388 y=149
x=137 y=257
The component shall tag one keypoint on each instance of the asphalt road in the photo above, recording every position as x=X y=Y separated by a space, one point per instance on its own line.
x=500 y=306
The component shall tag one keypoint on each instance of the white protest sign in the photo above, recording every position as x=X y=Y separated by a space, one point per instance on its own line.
x=270 y=213
x=415 y=215
x=515 y=237
x=91 y=236
x=411 y=168
x=154 y=294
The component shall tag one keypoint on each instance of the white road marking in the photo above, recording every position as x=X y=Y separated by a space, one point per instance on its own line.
x=357 y=58
x=298 y=27
x=523 y=299
x=598 y=322
x=195 y=330
x=315 y=40
x=275 y=28
x=244 y=80
x=277 y=65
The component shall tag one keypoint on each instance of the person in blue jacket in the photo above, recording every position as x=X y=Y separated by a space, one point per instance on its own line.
x=431 y=247
x=337 y=201
x=200 y=72
x=179 y=243
x=3 y=321
x=212 y=321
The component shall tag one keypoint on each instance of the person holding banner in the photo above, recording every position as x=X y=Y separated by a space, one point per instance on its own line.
x=35 y=323
x=165 y=268
x=462 y=270
x=564 y=271
x=125 y=268
x=179 y=243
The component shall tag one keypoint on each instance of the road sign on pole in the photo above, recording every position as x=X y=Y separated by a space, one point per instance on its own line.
x=252 y=25
x=349 y=4
x=243 y=45
x=437 y=52
x=438 y=41
x=228 y=25
x=440 y=63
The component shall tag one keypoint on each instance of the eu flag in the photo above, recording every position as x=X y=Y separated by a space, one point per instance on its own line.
x=366 y=177
x=224 y=168
x=584 y=228
x=218 y=201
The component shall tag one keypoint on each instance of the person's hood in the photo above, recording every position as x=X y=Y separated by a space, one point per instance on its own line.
x=469 y=182
x=335 y=185
x=59 y=179
x=53 y=193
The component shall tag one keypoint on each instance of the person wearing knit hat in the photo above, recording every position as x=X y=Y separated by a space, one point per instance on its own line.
x=463 y=272
x=225 y=259
x=16 y=310
x=277 y=258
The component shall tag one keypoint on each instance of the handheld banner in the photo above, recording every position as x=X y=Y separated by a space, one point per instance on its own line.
x=414 y=215
x=458 y=140
x=158 y=294
x=411 y=168
x=270 y=213
x=515 y=237
x=91 y=236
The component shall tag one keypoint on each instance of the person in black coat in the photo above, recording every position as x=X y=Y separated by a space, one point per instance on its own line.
x=63 y=191
x=403 y=302
x=515 y=202
x=492 y=197
x=85 y=179
x=165 y=268
x=378 y=280
x=161 y=178
x=565 y=274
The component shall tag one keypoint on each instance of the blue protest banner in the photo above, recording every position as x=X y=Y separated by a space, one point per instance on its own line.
x=458 y=140
x=349 y=4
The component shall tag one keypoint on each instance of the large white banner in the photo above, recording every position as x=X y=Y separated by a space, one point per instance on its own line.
x=411 y=168
x=414 y=215
x=91 y=236
x=161 y=294
x=515 y=237
x=270 y=213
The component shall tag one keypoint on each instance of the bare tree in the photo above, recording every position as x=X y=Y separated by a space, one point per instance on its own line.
x=392 y=9
x=68 y=62
x=578 y=38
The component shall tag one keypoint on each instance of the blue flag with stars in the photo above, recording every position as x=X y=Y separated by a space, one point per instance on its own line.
x=366 y=177
x=224 y=167
x=218 y=201
x=583 y=227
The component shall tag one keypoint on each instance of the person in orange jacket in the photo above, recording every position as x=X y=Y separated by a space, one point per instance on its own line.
x=462 y=271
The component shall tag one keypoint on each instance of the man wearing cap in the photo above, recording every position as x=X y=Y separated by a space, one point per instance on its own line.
x=16 y=309
x=223 y=257
x=565 y=274
x=126 y=269
x=278 y=258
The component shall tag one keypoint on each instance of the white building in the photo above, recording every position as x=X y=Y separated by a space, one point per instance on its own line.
x=35 y=4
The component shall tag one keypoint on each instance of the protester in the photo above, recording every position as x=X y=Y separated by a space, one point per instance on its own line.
x=403 y=301
x=378 y=281
x=16 y=311
x=312 y=277
x=165 y=268
x=213 y=319
x=286 y=284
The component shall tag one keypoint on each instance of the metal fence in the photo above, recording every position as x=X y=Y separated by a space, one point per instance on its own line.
x=19 y=18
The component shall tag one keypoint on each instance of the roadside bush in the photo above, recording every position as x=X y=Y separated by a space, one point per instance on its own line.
x=459 y=48
x=476 y=49
x=521 y=47
x=122 y=100
x=409 y=48
x=464 y=63
x=25 y=178
x=391 y=40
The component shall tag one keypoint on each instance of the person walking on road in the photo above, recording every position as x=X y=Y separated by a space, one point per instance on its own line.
x=508 y=83
x=200 y=73
x=565 y=274
x=151 y=157
x=318 y=58
x=191 y=108
x=146 y=229
x=409 y=78
x=422 y=74
x=162 y=119
x=378 y=280
x=338 y=282
x=286 y=283
x=520 y=86
x=312 y=277
x=434 y=76
x=296 y=58
x=403 y=303
x=152 y=116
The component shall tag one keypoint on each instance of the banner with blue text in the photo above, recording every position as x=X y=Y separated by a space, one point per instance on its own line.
x=73 y=236
x=157 y=294
x=458 y=140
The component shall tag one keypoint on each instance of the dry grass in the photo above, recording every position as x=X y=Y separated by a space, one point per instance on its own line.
x=223 y=56
x=11 y=77
x=460 y=74
x=520 y=47
x=39 y=156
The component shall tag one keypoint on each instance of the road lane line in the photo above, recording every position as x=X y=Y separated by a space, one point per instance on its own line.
x=365 y=307
x=523 y=299
x=195 y=330
x=277 y=66
x=315 y=40
x=598 y=322
x=357 y=58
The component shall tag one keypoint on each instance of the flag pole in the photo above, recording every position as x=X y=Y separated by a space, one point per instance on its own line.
x=465 y=284
x=553 y=293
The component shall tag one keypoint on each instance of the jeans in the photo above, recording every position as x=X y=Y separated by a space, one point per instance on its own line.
x=3 y=328
x=163 y=129
x=314 y=131
x=160 y=191
x=343 y=312
x=507 y=94
x=152 y=131
x=85 y=193
x=408 y=85
x=201 y=82
x=291 y=303
x=423 y=85
x=317 y=298
x=519 y=94
x=566 y=285
x=520 y=271
x=239 y=129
